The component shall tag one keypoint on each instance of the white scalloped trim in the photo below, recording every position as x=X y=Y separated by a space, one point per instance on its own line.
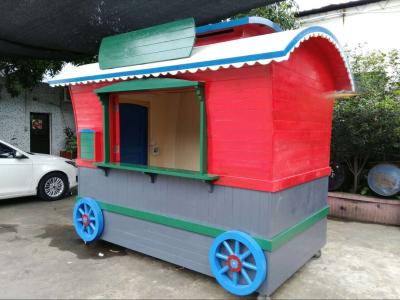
x=225 y=66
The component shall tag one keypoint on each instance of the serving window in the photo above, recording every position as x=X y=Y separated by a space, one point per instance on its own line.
x=156 y=126
x=160 y=129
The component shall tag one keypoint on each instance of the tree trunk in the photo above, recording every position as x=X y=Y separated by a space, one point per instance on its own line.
x=356 y=165
x=355 y=183
x=355 y=174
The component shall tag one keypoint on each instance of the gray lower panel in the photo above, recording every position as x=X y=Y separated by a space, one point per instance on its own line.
x=191 y=250
x=284 y=262
x=257 y=213
x=180 y=247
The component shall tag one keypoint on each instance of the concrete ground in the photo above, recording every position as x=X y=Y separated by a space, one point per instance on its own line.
x=41 y=257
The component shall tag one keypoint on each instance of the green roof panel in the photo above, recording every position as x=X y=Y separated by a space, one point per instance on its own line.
x=147 y=84
x=157 y=43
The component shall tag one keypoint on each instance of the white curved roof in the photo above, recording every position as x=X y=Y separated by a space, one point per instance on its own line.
x=260 y=49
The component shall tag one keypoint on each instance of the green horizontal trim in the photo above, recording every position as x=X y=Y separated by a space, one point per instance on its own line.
x=147 y=84
x=266 y=244
x=158 y=170
x=161 y=219
x=167 y=41
x=285 y=236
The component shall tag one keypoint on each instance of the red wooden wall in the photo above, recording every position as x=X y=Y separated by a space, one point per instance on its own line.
x=302 y=116
x=302 y=112
x=268 y=126
x=239 y=119
x=88 y=115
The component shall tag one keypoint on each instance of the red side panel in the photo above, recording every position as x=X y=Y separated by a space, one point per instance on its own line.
x=238 y=104
x=88 y=115
x=269 y=127
x=302 y=116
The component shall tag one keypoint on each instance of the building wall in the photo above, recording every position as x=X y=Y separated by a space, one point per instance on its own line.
x=370 y=25
x=15 y=115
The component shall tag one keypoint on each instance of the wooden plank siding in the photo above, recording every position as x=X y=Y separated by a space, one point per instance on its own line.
x=268 y=126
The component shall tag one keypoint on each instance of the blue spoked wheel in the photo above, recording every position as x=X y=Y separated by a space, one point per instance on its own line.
x=88 y=219
x=238 y=262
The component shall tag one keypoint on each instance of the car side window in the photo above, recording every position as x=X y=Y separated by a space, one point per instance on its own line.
x=6 y=152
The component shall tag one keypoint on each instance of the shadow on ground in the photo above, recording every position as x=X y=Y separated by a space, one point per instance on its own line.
x=18 y=201
x=64 y=238
x=5 y=228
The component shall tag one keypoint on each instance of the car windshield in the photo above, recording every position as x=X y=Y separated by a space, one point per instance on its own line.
x=6 y=152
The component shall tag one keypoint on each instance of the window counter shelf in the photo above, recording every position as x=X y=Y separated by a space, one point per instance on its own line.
x=156 y=170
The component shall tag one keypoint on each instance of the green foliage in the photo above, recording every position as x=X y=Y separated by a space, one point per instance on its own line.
x=283 y=13
x=70 y=140
x=22 y=73
x=367 y=126
x=26 y=73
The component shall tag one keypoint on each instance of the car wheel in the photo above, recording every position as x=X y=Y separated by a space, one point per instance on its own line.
x=53 y=186
x=338 y=176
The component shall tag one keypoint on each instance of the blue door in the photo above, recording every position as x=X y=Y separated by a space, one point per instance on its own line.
x=133 y=134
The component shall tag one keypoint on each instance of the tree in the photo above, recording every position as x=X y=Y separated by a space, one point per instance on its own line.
x=283 y=13
x=26 y=73
x=368 y=125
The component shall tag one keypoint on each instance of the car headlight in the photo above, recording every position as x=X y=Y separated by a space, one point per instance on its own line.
x=71 y=162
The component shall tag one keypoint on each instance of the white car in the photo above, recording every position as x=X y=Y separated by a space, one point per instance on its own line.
x=25 y=174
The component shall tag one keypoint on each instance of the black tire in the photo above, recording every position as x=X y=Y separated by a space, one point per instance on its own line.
x=53 y=186
x=338 y=176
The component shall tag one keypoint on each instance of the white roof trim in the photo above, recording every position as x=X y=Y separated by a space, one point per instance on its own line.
x=260 y=49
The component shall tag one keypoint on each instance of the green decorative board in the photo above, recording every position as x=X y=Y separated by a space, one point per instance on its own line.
x=148 y=84
x=157 y=43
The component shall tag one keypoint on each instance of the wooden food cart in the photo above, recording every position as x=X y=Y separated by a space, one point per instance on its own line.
x=208 y=147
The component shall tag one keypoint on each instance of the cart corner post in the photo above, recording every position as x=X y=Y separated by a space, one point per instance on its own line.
x=105 y=102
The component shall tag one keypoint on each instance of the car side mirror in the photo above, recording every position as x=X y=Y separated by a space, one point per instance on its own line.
x=19 y=155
